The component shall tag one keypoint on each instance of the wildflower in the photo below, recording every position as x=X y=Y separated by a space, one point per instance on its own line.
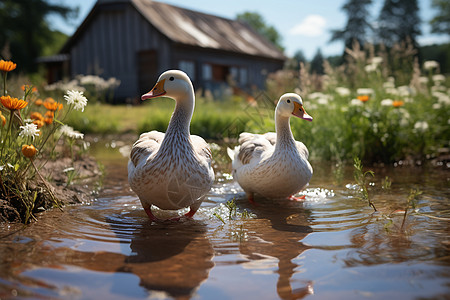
x=376 y=60
x=342 y=91
x=387 y=102
x=53 y=106
x=48 y=121
x=370 y=68
x=49 y=100
x=29 y=151
x=29 y=130
x=430 y=64
x=356 y=102
x=13 y=103
x=26 y=88
x=70 y=132
x=364 y=91
x=363 y=98
x=38 y=102
x=7 y=66
x=36 y=116
x=421 y=126
x=388 y=84
x=49 y=114
x=438 y=78
x=398 y=103
x=76 y=99
x=39 y=123
x=3 y=119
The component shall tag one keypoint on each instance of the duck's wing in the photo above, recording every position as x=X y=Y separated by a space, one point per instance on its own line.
x=201 y=147
x=302 y=149
x=252 y=148
x=147 y=144
x=271 y=137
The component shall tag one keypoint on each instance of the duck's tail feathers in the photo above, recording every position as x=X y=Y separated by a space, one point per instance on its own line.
x=232 y=153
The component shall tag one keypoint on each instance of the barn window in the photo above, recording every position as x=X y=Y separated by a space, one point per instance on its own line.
x=243 y=76
x=188 y=66
x=207 y=72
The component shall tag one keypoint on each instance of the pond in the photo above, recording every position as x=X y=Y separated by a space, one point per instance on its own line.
x=330 y=246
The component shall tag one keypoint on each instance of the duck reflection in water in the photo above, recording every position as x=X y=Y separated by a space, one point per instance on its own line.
x=276 y=236
x=174 y=258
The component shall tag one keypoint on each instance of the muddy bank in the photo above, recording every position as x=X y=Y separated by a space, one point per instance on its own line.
x=81 y=189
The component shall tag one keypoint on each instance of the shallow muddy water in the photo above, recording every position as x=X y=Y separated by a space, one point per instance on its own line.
x=331 y=246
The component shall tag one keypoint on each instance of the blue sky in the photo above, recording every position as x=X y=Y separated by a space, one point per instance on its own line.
x=304 y=24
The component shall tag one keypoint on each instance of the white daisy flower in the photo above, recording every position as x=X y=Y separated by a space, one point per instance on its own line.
x=29 y=130
x=70 y=132
x=76 y=99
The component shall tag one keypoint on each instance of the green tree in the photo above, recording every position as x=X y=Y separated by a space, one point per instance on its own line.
x=294 y=62
x=358 y=26
x=25 y=30
x=441 y=21
x=398 y=21
x=257 y=22
x=317 y=63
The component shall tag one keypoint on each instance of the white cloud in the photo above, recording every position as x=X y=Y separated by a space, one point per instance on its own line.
x=312 y=25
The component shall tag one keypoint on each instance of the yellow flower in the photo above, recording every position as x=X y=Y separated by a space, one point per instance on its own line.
x=363 y=98
x=397 y=103
x=12 y=103
x=7 y=66
x=29 y=151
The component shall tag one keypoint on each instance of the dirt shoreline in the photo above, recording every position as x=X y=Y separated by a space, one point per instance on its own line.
x=83 y=189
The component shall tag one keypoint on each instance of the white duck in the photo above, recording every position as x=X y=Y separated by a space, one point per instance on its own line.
x=171 y=170
x=273 y=165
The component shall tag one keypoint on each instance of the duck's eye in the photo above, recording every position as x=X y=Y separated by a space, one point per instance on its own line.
x=288 y=101
x=172 y=78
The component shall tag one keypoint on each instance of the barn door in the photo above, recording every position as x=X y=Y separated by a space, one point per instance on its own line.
x=147 y=70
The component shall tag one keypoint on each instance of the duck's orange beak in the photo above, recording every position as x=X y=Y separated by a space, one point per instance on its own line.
x=157 y=90
x=300 y=112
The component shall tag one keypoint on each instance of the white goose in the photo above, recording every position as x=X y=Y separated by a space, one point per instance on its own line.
x=273 y=165
x=171 y=170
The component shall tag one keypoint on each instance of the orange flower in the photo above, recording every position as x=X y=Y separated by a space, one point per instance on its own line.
x=398 y=103
x=39 y=123
x=48 y=121
x=38 y=102
x=49 y=114
x=3 y=119
x=29 y=151
x=26 y=87
x=7 y=66
x=36 y=116
x=363 y=98
x=13 y=103
x=53 y=106
x=49 y=100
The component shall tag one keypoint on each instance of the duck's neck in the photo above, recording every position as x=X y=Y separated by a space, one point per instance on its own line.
x=285 y=139
x=179 y=124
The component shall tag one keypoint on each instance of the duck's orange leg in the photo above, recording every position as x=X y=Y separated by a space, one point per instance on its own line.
x=150 y=215
x=299 y=198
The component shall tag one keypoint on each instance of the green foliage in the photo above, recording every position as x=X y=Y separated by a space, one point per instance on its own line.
x=30 y=132
x=358 y=26
x=25 y=32
x=441 y=21
x=399 y=20
x=257 y=22
x=410 y=203
x=362 y=182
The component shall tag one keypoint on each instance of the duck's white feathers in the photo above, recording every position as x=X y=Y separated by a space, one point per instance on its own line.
x=261 y=167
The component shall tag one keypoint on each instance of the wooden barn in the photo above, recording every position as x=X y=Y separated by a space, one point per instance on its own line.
x=136 y=40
